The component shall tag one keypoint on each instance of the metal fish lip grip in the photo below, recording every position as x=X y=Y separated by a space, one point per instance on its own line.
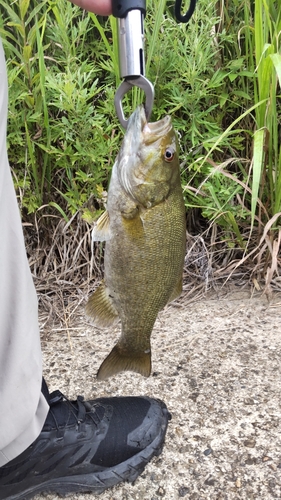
x=130 y=16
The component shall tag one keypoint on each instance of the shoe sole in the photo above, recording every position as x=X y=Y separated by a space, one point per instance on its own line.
x=100 y=481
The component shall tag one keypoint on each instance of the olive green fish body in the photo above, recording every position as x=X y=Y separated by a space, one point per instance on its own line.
x=144 y=230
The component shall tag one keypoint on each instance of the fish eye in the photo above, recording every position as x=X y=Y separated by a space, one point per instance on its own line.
x=169 y=154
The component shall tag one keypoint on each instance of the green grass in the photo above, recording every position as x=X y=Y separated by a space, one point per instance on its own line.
x=61 y=109
x=219 y=78
x=256 y=55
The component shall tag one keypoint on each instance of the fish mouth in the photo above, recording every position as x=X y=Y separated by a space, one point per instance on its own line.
x=159 y=128
x=151 y=131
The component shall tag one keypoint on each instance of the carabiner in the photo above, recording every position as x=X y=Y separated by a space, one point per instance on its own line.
x=187 y=16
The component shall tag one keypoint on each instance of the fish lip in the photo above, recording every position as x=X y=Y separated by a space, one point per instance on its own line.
x=137 y=120
x=150 y=130
x=161 y=127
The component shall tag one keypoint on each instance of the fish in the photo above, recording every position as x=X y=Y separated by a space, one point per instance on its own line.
x=144 y=229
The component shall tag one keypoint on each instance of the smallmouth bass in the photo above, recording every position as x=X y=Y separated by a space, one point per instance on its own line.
x=145 y=233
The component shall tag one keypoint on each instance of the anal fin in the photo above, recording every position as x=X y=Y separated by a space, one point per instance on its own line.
x=100 y=307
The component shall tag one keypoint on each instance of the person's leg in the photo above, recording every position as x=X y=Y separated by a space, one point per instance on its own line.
x=23 y=407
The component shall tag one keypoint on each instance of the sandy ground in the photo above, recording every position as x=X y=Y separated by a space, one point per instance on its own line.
x=216 y=364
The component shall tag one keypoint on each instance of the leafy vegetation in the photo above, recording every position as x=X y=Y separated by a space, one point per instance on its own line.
x=219 y=77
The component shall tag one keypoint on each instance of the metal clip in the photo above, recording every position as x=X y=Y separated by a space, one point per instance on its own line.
x=144 y=84
x=130 y=32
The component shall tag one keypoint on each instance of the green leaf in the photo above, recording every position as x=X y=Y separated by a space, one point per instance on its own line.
x=233 y=76
x=236 y=64
x=26 y=53
x=235 y=228
x=223 y=99
x=12 y=13
x=276 y=59
x=19 y=27
x=23 y=5
x=60 y=210
x=243 y=94
x=257 y=168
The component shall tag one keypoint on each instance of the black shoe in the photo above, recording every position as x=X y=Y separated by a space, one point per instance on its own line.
x=87 y=446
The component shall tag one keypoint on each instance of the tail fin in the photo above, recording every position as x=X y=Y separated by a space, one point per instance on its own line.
x=118 y=361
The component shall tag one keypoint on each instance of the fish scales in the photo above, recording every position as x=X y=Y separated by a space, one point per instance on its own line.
x=144 y=230
x=141 y=273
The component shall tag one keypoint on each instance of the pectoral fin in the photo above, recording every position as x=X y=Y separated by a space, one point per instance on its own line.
x=101 y=231
x=100 y=307
x=120 y=361
x=177 y=291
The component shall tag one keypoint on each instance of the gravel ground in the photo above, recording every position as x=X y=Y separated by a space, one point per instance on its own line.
x=216 y=364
